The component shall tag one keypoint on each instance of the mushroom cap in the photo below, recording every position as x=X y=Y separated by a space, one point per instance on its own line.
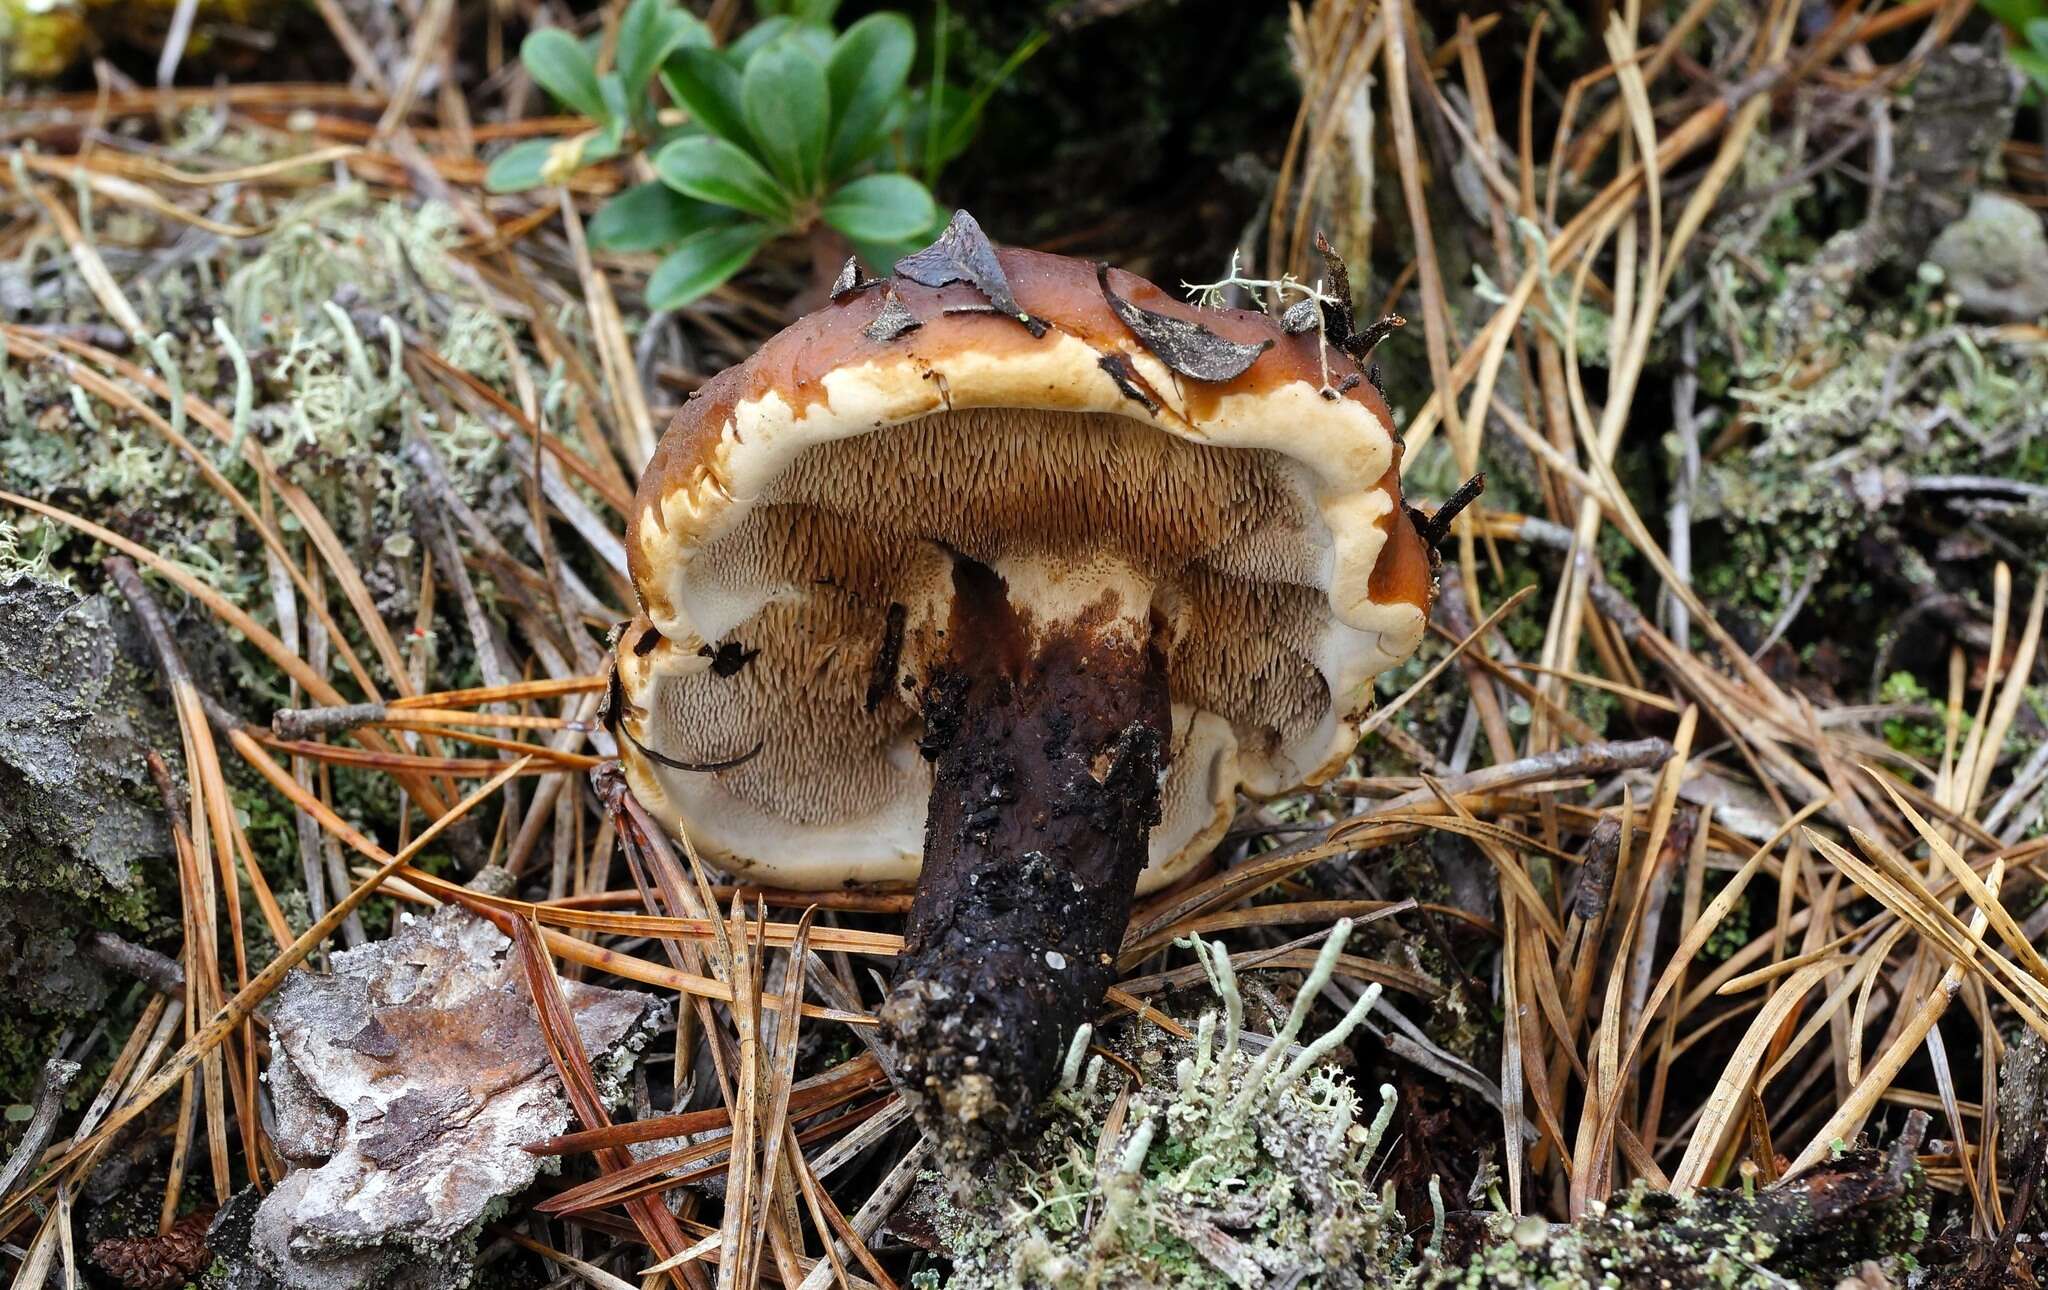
x=802 y=511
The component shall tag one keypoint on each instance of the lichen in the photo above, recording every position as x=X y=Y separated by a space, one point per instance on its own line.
x=1862 y=1208
x=1245 y=1163
x=1842 y=387
x=299 y=334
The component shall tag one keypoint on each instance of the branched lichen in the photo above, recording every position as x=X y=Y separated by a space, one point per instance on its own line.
x=299 y=338
x=1242 y=1161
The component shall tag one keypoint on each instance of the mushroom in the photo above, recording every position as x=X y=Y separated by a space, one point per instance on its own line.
x=1005 y=574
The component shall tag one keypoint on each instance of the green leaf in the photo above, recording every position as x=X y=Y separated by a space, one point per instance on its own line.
x=518 y=167
x=881 y=255
x=2034 y=63
x=757 y=38
x=865 y=79
x=648 y=34
x=881 y=208
x=818 y=12
x=618 y=115
x=704 y=260
x=2014 y=13
x=2037 y=34
x=932 y=137
x=651 y=217
x=714 y=170
x=789 y=110
x=563 y=68
x=703 y=81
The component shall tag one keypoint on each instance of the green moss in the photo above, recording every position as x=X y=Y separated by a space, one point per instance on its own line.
x=1918 y=734
x=1734 y=930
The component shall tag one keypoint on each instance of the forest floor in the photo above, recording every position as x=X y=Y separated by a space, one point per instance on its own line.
x=1676 y=922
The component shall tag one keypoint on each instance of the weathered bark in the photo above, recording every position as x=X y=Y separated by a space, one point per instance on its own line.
x=1817 y=1229
x=1048 y=743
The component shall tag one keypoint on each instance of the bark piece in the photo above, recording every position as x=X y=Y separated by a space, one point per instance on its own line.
x=963 y=253
x=407 y=1085
x=79 y=822
x=1187 y=347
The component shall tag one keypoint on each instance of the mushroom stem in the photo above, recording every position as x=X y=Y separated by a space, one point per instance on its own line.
x=1048 y=741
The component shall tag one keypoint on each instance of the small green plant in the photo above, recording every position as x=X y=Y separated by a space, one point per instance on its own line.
x=1918 y=733
x=2027 y=22
x=791 y=128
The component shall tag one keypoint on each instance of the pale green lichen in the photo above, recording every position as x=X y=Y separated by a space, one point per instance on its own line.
x=1845 y=392
x=298 y=337
x=1864 y=1210
x=1236 y=1168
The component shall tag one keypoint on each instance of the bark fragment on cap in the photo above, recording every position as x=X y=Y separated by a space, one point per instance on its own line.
x=963 y=253
x=1185 y=346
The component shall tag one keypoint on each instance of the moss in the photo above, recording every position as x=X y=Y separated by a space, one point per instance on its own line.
x=41 y=38
x=1920 y=733
x=1734 y=930
x=307 y=313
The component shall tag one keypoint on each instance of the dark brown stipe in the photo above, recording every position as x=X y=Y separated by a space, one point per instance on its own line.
x=1045 y=788
x=883 y=676
x=1188 y=348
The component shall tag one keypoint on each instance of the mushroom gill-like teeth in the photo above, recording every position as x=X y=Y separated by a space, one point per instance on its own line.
x=801 y=494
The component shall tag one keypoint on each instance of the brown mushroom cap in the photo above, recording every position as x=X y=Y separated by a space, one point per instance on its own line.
x=802 y=494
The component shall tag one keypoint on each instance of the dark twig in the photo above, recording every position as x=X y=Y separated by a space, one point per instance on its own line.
x=1438 y=526
x=317 y=723
x=146 y=611
x=160 y=971
x=1369 y=336
x=49 y=1103
x=704 y=767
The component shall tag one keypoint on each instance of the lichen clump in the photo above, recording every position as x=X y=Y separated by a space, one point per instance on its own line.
x=1249 y=1167
x=300 y=335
